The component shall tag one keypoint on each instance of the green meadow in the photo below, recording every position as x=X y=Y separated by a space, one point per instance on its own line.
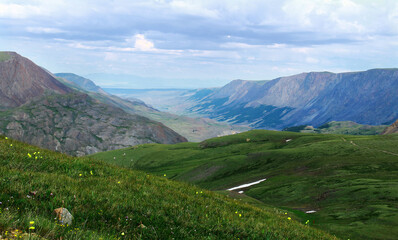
x=350 y=181
x=112 y=202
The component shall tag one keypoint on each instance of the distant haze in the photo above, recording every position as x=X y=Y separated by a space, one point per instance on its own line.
x=193 y=44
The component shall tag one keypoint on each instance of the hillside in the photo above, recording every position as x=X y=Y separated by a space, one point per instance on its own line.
x=193 y=128
x=108 y=202
x=340 y=127
x=350 y=181
x=77 y=125
x=41 y=110
x=391 y=129
x=21 y=80
x=313 y=98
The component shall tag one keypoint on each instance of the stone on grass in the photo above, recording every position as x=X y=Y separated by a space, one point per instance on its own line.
x=63 y=216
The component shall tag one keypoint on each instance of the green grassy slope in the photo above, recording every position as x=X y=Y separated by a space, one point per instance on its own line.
x=4 y=56
x=351 y=181
x=109 y=202
x=340 y=127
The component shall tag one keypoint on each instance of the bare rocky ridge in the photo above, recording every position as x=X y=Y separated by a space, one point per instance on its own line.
x=391 y=129
x=21 y=81
x=40 y=110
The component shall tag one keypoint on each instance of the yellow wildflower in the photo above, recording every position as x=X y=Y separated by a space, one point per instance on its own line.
x=91 y=172
x=32 y=228
x=29 y=155
x=32 y=222
x=122 y=233
x=164 y=175
x=289 y=218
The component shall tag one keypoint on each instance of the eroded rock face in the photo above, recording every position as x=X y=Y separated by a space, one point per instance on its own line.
x=21 y=81
x=391 y=129
x=76 y=124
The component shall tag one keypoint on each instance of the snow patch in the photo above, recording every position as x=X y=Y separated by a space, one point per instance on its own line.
x=247 y=185
x=311 y=211
x=288 y=140
x=240 y=192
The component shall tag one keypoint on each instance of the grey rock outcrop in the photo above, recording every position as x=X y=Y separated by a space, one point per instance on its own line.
x=76 y=124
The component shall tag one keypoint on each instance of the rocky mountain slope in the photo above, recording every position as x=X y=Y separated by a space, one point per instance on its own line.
x=76 y=124
x=314 y=98
x=391 y=129
x=22 y=80
x=195 y=129
x=65 y=119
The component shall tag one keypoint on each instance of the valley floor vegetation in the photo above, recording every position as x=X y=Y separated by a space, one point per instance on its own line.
x=349 y=181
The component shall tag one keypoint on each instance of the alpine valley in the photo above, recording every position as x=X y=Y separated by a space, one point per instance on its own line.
x=314 y=98
x=214 y=166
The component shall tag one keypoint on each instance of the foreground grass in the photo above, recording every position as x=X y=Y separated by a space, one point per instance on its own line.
x=110 y=202
x=351 y=181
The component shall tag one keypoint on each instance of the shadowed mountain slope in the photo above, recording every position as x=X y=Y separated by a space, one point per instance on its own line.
x=314 y=98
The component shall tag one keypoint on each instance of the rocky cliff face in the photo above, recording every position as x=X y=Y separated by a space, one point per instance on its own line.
x=391 y=129
x=306 y=99
x=38 y=109
x=76 y=124
x=21 y=81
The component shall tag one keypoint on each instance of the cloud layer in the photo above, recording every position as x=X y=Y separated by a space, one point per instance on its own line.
x=198 y=43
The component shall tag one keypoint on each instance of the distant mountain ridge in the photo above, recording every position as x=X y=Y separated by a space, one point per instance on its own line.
x=313 y=98
x=41 y=110
x=85 y=83
x=193 y=128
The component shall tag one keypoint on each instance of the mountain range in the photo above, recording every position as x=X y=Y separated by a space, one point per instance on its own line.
x=195 y=129
x=39 y=109
x=314 y=98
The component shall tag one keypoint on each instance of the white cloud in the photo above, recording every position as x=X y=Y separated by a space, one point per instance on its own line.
x=142 y=44
x=44 y=30
x=194 y=7
x=238 y=45
x=18 y=11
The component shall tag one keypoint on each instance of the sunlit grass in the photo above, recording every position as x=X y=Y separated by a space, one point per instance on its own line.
x=110 y=202
x=349 y=180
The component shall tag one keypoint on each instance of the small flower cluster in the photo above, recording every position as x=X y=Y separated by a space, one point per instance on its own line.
x=32 y=227
x=239 y=214
x=35 y=154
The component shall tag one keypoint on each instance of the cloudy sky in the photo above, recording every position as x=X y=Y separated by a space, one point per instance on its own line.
x=200 y=43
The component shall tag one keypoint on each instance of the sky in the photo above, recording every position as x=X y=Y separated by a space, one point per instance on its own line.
x=200 y=43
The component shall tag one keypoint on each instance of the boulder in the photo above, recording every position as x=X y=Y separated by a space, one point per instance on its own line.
x=63 y=216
